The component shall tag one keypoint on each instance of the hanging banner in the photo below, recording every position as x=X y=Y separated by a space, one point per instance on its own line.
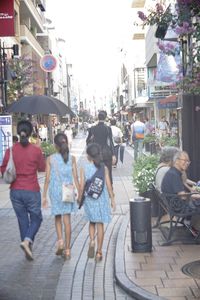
x=158 y=89
x=7 y=18
x=168 y=68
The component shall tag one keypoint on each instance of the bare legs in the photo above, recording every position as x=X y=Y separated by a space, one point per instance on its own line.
x=58 y=224
x=67 y=224
x=67 y=228
x=100 y=237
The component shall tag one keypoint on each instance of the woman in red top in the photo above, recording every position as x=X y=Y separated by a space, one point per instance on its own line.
x=25 y=191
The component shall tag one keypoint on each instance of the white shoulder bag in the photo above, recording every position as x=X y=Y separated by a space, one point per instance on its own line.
x=10 y=173
x=68 y=190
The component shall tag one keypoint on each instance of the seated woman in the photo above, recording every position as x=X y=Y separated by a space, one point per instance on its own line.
x=165 y=163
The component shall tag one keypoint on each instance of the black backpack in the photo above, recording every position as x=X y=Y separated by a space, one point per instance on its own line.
x=94 y=185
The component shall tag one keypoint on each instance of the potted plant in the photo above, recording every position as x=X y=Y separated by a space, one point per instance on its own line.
x=169 y=141
x=143 y=177
x=149 y=138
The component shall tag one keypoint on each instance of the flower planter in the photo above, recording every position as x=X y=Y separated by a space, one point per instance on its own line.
x=161 y=31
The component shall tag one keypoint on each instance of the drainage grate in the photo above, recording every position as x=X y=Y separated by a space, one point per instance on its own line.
x=192 y=269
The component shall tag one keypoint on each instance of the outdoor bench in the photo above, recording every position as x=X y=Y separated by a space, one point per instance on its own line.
x=178 y=211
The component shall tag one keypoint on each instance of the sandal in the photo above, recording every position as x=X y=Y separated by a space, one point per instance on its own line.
x=67 y=254
x=60 y=247
x=91 y=249
x=98 y=256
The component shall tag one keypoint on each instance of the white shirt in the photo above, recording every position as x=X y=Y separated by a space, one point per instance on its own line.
x=116 y=132
x=69 y=135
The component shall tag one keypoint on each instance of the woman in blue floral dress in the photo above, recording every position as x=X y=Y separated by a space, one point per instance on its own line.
x=97 y=211
x=61 y=168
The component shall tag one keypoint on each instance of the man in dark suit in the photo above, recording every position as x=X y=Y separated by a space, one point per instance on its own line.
x=102 y=135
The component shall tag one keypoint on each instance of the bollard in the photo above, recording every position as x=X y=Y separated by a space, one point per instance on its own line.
x=140 y=224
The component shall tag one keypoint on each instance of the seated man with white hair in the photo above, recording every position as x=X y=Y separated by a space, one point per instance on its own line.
x=172 y=183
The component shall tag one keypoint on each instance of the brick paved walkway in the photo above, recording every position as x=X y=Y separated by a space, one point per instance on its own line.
x=160 y=272
x=152 y=276
x=48 y=277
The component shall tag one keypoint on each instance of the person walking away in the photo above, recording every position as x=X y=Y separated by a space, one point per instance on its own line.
x=137 y=134
x=117 y=139
x=163 y=127
x=102 y=135
x=69 y=133
x=127 y=133
x=148 y=127
x=60 y=168
x=98 y=210
x=173 y=125
x=25 y=190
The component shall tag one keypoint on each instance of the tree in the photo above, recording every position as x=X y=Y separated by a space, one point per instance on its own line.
x=22 y=72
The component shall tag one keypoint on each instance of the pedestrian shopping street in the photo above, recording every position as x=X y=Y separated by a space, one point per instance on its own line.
x=48 y=277
x=155 y=275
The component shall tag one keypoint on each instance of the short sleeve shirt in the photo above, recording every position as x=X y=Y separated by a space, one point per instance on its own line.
x=172 y=182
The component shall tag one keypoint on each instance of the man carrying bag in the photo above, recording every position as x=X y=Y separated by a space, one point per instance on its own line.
x=102 y=135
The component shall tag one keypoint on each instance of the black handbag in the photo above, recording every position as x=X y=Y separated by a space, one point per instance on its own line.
x=94 y=186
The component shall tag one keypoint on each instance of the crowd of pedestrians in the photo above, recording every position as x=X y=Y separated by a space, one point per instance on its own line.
x=105 y=144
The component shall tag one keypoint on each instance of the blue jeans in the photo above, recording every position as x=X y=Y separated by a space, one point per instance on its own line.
x=138 y=146
x=27 y=206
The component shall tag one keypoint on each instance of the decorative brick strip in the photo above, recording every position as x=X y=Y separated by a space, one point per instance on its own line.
x=120 y=273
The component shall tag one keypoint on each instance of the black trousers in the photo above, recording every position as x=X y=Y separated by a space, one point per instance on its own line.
x=107 y=160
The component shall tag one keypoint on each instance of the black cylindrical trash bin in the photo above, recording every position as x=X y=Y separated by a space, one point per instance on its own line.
x=140 y=224
x=152 y=148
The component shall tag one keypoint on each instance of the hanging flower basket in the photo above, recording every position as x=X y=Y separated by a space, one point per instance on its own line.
x=161 y=31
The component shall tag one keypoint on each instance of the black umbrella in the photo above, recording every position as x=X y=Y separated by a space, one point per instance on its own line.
x=39 y=104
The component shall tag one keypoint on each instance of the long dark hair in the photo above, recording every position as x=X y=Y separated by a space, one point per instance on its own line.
x=94 y=151
x=61 y=143
x=24 y=129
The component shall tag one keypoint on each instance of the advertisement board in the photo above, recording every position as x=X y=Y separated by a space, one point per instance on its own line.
x=7 y=18
x=158 y=89
x=5 y=135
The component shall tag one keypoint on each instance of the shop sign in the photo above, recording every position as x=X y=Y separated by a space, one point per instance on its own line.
x=168 y=102
x=158 y=89
x=5 y=135
x=7 y=27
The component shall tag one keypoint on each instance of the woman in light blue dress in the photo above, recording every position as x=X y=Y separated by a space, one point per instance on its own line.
x=97 y=211
x=61 y=168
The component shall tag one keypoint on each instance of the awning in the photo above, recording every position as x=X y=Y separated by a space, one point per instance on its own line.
x=143 y=105
x=169 y=99
x=168 y=102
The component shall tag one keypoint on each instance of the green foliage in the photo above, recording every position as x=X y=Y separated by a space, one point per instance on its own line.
x=47 y=148
x=150 y=138
x=22 y=68
x=144 y=172
x=169 y=141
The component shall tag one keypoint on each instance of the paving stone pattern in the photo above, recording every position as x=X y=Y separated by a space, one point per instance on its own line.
x=48 y=277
